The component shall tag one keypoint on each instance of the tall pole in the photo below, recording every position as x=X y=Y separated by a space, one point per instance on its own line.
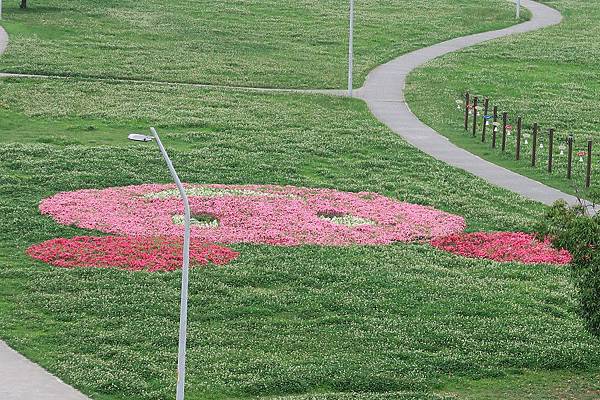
x=518 y=9
x=184 y=275
x=351 y=48
x=0 y=9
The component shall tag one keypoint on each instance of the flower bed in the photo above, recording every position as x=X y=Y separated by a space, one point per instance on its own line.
x=503 y=246
x=127 y=253
x=277 y=215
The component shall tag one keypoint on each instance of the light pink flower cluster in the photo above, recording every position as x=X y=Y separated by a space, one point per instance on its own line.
x=503 y=246
x=128 y=253
x=275 y=215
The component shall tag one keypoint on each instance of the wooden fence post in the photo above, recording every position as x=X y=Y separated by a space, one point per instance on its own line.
x=486 y=105
x=494 y=127
x=518 y=150
x=534 y=144
x=504 y=122
x=550 y=148
x=475 y=115
x=467 y=105
x=588 y=175
x=569 y=156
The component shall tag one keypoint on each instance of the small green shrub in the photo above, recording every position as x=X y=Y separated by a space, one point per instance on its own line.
x=577 y=230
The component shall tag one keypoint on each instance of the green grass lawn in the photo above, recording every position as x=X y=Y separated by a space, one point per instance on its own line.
x=246 y=137
x=308 y=322
x=548 y=76
x=403 y=321
x=270 y=43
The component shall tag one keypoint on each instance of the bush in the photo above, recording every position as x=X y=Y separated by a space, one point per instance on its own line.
x=578 y=230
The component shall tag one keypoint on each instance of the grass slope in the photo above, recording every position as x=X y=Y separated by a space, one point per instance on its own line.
x=393 y=322
x=322 y=323
x=531 y=385
x=254 y=138
x=271 y=43
x=546 y=76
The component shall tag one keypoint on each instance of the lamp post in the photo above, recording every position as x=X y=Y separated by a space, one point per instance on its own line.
x=186 y=262
x=0 y=9
x=351 y=48
x=518 y=9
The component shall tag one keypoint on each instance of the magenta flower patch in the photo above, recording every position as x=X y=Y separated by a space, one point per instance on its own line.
x=503 y=246
x=277 y=215
x=128 y=253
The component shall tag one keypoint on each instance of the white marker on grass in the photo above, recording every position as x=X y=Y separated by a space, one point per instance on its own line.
x=186 y=261
x=138 y=137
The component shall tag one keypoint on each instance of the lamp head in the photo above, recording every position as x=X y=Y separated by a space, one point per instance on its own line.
x=138 y=137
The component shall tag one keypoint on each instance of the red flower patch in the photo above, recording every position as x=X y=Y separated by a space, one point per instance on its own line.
x=503 y=246
x=127 y=253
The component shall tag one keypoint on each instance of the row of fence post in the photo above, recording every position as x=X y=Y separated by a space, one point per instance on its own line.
x=473 y=107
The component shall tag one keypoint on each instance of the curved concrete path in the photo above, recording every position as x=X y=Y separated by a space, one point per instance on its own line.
x=384 y=93
x=20 y=379
x=3 y=40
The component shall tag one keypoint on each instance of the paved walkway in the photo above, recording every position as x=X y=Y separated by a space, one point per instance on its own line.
x=20 y=379
x=384 y=93
x=3 y=40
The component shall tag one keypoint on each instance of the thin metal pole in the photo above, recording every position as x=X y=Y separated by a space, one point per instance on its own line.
x=351 y=49
x=0 y=9
x=518 y=9
x=184 y=275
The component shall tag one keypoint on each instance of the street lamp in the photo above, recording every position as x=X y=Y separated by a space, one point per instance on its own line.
x=518 y=9
x=351 y=48
x=186 y=261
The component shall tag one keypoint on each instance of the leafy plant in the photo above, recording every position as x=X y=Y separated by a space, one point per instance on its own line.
x=578 y=230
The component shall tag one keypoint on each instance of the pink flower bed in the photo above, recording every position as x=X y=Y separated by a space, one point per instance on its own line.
x=149 y=220
x=503 y=246
x=128 y=253
x=274 y=215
